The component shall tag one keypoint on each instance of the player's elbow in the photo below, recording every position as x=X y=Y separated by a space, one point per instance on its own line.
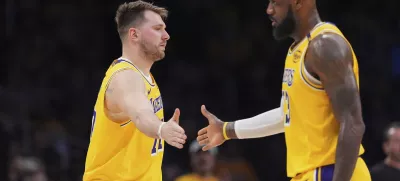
x=361 y=128
x=358 y=128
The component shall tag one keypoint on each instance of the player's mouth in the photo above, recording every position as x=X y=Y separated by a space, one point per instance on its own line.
x=162 y=46
x=273 y=21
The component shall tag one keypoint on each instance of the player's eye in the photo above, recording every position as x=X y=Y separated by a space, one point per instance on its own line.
x=158 y=27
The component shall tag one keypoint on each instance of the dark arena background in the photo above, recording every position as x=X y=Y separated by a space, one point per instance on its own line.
x=221 y=54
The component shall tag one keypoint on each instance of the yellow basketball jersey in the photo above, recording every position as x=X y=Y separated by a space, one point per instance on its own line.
x=120 y=151
x=311 y=130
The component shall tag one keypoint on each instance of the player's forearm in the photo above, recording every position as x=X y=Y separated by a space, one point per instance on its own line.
x=147 y=122
x=347 y=150
x=265 y=124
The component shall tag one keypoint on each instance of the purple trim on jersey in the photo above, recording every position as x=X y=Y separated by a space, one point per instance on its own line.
x=305 y=78
x=327 y=172
x=122 y=60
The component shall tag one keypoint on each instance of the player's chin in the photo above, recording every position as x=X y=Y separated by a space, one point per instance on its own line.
x=160 y=56
x=279 y=36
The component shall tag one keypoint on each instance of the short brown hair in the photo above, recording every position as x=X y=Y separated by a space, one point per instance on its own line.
x=132 y=14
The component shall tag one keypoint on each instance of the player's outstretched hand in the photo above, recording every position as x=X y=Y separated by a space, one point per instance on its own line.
x=212 y=135
x=172 y=133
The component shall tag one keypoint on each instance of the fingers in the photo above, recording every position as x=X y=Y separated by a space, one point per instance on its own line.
x=207 y=114
x=177 y=140
x=177 y=145
x=179 y=135
x=176 y=115
x=204 y=142
x=202 y=131
x=202 y=137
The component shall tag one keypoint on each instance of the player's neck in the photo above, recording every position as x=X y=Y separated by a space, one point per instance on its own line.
x=392 y=163
x=139 y=60
x=306 y=26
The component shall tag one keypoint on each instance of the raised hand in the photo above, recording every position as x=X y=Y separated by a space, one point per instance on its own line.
x=172 y=133
x=212 y=135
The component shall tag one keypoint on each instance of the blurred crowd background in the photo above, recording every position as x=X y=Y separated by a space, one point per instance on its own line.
x=221 y=54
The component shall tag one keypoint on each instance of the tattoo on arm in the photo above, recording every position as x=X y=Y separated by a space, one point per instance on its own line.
x=329 y=56
x=230 y=130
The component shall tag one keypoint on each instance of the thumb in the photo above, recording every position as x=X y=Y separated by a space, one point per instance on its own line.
x=207 y=114
x=176 y=115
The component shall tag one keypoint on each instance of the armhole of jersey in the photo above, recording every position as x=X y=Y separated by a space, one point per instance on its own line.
x=112 y=75
x=105 y=109
x=310 y=80
x=307 y=78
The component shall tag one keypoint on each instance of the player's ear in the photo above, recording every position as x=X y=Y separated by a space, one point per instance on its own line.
x=133 y=34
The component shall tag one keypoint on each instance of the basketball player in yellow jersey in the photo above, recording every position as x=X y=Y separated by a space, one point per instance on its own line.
x=320 y=110
x=128 y=128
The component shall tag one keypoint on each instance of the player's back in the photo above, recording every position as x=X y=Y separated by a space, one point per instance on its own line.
x=119 y=151
x=311 y=130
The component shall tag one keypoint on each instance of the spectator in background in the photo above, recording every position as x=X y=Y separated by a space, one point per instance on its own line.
x=389 y=169
x=203 y=164
x=24 y=168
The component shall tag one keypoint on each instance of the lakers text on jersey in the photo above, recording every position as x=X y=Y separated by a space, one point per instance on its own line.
x=120 y=151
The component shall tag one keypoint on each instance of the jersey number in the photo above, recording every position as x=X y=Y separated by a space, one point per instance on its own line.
x=157 y=145
x=93 y=121
x=286 y=107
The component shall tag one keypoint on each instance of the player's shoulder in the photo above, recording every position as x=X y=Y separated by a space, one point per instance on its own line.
x=125 y=80
x=125 y=73
x=327 y=31
x=329 y=43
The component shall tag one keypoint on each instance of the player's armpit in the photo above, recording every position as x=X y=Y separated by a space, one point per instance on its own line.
x=329 y=56
x=127 y=92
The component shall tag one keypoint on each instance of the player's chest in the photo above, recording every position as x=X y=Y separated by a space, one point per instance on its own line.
x=154 y=96
x=291 y=75
x=293 y=68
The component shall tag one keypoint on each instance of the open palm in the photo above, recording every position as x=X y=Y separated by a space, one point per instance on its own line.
x=212 y=135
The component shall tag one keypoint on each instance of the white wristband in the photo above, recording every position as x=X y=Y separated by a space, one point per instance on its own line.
x=159 y=130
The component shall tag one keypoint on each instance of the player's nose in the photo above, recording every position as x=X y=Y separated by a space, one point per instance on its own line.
x=166 y=36
x=270 y=9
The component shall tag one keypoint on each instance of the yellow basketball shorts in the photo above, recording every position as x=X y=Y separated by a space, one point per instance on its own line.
x=325 y=173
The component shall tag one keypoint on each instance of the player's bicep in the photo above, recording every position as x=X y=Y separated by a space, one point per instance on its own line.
x=331 y=58
x=127 y=92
